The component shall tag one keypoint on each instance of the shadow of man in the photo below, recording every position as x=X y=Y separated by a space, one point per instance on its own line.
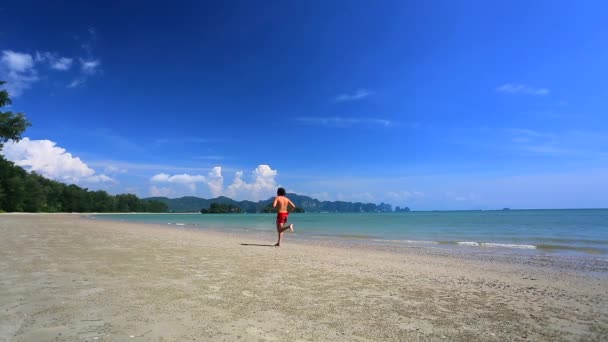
x=257 y=245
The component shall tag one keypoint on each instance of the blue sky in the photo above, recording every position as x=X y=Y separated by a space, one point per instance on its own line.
x=432 y=105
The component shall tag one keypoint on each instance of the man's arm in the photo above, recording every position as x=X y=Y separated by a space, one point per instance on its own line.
x=293 y=206
x=274 y=204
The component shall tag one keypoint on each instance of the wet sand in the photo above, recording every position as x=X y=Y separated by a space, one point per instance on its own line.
x=69 y=278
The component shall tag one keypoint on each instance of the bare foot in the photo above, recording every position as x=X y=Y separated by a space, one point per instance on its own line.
x=291 y=227
x=277 y=245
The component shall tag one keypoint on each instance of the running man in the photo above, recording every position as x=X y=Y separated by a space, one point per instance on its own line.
x=283 y=204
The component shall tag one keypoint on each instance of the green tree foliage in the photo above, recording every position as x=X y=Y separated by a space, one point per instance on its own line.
x=21 y=191
x=221 y=208
x=11 y=124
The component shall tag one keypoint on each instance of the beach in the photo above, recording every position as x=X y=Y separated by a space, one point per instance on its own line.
x=70 y=278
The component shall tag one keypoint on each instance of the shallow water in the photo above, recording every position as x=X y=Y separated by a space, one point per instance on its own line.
x=575 y=231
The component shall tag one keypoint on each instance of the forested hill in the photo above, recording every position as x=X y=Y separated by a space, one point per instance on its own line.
x=309 y=204
x=21 y=191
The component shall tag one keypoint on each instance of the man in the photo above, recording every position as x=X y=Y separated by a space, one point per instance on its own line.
x=283 y=204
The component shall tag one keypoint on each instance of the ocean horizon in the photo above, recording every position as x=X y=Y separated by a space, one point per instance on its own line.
x=541 y=231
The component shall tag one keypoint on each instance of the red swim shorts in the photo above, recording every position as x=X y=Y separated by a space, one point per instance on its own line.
x=282 y=218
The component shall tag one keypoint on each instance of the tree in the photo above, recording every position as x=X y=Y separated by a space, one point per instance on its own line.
x=11 y=124
x=35 y=199
x=221 y=208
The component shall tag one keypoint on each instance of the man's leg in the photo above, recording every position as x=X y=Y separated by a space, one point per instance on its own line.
x=279 y=233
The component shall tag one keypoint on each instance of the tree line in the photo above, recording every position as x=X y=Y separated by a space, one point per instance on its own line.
x=21 y=191
x=221 y=208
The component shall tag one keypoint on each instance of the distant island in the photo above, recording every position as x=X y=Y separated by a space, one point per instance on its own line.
x=218 y=208
x=191 y=204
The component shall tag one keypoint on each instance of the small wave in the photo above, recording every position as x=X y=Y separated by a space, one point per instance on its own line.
x=506 y=245
x=468 y=243
x=492 y=244
x=180 y=224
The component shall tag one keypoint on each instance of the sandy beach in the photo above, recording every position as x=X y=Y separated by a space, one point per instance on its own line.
x=70 y=278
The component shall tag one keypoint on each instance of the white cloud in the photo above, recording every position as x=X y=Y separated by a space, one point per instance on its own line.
x=16 y=61
x=51 y=161
x=62 y=63
x=114 y=169
x=89 y=67
x=215 y=181
x=161 y=192
x=76 y=83
x=357 y=95
x=20 y=69
x=161 y=177
x=54 y=61
x=17 y=69
x=185 y=179
x=344 y=121
x=261 y=186
x=515 y=88
x=99 y=179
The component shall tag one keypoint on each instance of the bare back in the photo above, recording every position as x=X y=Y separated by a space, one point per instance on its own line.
x=282 y=204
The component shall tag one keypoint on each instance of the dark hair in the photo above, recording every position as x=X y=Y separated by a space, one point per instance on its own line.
x=281 y=192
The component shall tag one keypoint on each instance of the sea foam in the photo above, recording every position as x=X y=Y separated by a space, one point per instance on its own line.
x=468 y=243
x=507 y=245
x=492 y=244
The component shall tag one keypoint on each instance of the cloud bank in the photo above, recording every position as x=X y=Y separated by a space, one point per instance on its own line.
x=260 y=184
x=49 y=160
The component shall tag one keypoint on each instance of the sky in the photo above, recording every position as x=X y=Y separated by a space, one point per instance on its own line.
x=434 y=105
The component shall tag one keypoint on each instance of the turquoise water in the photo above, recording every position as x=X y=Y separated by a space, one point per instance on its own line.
x=573 y=231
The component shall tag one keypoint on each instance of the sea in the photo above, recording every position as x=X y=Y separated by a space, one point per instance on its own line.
x=552 y=231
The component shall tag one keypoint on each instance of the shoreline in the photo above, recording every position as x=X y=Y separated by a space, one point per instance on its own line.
x=578 y=255
x=66 y=277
